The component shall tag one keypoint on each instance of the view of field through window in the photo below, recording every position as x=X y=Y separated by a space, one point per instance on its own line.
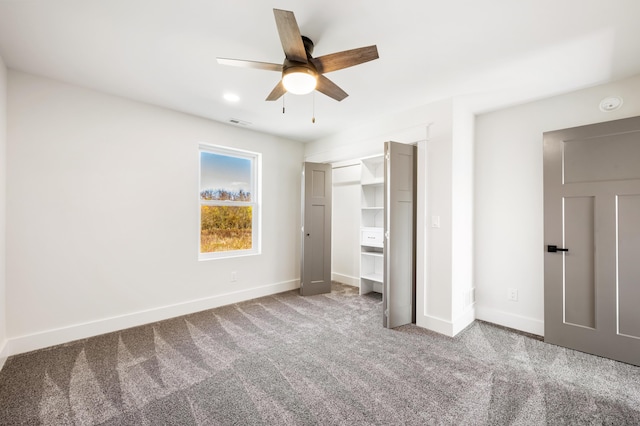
x=226 y=210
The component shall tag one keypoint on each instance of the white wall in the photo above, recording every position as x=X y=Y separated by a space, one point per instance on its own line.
x=462 y=216
x=434 y=272
x=509 y=224
x=445 y=259
x=367 y=138
x=102 y=214
x=345 y=224
x=3 y=204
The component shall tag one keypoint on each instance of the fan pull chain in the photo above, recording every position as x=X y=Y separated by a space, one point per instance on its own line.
x=283 y=96
x=313 y=118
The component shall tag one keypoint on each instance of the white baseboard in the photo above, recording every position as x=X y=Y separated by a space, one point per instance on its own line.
x=464 y=320
x=3 y=355
x=446 y=327
x=436 y=324
x=507 y=319
x=346 y=279
x=44 y=339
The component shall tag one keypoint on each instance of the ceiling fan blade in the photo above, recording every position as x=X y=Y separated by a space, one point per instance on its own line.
x=250 y=64
x=277 y=92
x=346 y=59
x=290 y=36
x=330 y=89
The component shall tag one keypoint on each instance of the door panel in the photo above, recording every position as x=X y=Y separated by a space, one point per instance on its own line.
x=399 y=229
x=318 y=183
x=317 y=227
x=315 y=274
x=592 y=209
x=629 y=265
x=602 y=158
x=579 y=279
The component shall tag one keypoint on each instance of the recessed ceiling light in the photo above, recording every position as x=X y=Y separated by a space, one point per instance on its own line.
x=231 y=97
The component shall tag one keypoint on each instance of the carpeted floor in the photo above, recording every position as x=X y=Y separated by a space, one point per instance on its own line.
x=322 y=360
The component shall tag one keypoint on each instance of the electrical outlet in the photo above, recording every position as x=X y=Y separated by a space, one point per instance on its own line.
x=234 y=276
x=512 y=294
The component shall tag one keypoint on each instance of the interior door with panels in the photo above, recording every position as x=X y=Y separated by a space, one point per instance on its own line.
x=315 y=274
x=398 y=296
x=592 y=239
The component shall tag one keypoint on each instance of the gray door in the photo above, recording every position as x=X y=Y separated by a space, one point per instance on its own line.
x=315 y=276
x=592 y=239
x=398 y=291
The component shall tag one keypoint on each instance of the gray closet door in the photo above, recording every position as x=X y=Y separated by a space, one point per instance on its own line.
x=398 y=294
x=592 y=239
x=315 y=276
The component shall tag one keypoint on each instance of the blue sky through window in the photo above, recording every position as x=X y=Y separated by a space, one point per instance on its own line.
x=224 y=172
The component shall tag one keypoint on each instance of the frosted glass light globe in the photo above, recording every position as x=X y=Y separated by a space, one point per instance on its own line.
x=300 y=82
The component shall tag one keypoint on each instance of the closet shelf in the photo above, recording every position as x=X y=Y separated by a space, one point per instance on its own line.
x=373 y=254
x=372 y=277
x=371 y=224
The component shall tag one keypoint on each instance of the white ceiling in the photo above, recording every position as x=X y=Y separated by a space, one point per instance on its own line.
x=491 y=53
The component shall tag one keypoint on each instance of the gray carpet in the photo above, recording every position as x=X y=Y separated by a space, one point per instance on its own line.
x=321 y=360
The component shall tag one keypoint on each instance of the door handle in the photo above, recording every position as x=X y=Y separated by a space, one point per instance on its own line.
x=554 y=249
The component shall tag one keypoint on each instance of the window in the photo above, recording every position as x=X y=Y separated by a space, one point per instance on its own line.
x=229 y=202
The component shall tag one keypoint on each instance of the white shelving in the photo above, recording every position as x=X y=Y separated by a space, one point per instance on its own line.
x=372 y=225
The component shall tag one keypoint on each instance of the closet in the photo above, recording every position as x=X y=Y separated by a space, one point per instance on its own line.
x=378 y=256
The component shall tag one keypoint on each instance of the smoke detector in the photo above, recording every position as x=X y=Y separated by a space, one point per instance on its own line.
x=611 y=103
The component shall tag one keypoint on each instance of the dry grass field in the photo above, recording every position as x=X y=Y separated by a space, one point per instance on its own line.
x=225 y=240
x=225 y=228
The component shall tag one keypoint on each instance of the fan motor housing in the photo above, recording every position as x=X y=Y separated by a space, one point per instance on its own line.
x=308 y=45
x=293 y=66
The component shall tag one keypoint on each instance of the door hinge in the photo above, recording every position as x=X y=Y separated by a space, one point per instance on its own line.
x=386 y=312
x=386 y=235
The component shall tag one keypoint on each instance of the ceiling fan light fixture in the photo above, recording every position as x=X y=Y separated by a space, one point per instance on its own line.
x=299 y=80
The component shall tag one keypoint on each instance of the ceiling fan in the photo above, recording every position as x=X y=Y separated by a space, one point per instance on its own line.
x=302 y=73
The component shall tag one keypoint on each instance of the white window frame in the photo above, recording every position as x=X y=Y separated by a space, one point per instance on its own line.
x=255 y=203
